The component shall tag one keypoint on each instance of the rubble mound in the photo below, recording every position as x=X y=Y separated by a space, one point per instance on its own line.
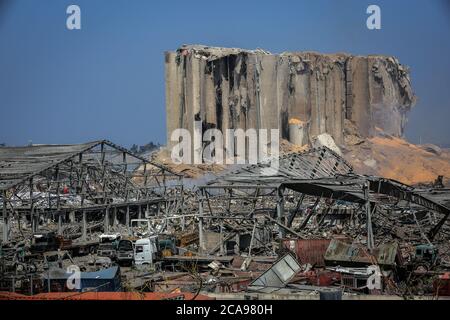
x=197 y=171
x=395 y=158
x=187 y=170
x=382 y=155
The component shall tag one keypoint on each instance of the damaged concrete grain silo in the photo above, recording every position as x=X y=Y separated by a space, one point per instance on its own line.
x=304 y=94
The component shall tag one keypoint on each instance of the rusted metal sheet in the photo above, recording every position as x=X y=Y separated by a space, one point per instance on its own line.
x=310 y=251
x=187 y=239
x=442 y=285
x=344 y=254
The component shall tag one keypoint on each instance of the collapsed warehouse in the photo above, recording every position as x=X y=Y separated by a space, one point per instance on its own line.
x=313 y=228
x=61 y=196
x=334 y=223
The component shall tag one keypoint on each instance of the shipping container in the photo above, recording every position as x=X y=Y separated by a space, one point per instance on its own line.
x=310 y=251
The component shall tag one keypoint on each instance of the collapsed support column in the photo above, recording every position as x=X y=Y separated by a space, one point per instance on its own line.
x=280 y=211
x=115 y=220
x=222 y=249
x=106 y=221
x=32 y=217
x=84 y=229
x=370 y=241
x=201 y=239
x=5 y=220
x=127 y=218
x=84 y=222
x=60 y=223
x=72 y=217
x=183 y=223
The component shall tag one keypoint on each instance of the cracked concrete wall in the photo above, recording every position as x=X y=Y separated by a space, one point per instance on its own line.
x=235 y=88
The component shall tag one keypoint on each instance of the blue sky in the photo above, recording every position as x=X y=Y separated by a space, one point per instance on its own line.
x=107 y=79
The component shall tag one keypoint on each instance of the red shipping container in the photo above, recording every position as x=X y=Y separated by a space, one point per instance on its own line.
x=442 y=284
x=309 y=251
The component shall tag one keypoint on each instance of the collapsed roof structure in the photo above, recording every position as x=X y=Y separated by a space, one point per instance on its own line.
x=224 y=232
x=85 y=182
x=329 y=180
x=253 y=211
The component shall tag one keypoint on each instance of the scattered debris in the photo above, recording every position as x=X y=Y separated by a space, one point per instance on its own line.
x=334 y=218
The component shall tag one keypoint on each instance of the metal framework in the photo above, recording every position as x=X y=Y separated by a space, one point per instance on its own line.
x=88 y=181
x=303 y=183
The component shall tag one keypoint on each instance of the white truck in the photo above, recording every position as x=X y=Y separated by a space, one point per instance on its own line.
x=145 y=250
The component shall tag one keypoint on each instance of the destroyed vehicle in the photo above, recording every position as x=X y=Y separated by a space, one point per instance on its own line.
x=7 y=259
x=99 y=263
x=49 y=241
x=14 y=260
x=426 y=253
x=422 y=259
x=145 y=251
x=125 y=252
x=108 y=238
x=25 y=268
x=108 y=245
x=107 y=250
x=425 y=258
x=167 y=247
x=44 y=242
x=54 y=259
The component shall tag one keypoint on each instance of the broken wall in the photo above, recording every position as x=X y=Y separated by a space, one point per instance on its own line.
x=228 y=88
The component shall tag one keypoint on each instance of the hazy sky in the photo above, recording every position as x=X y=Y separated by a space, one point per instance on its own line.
x=106 y=81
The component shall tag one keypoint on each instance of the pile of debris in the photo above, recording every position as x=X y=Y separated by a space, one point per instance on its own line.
x=312 y=228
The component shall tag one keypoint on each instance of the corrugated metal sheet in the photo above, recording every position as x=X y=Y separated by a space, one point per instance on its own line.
x=312 y=164
x=344 y=254
x=16 y=163
x=310 y=251
x=279 y=274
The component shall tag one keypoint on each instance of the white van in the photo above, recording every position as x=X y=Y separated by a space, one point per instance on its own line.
x=145 y=250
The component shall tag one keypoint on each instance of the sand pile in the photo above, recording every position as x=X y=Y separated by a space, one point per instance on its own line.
x=398 y=159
